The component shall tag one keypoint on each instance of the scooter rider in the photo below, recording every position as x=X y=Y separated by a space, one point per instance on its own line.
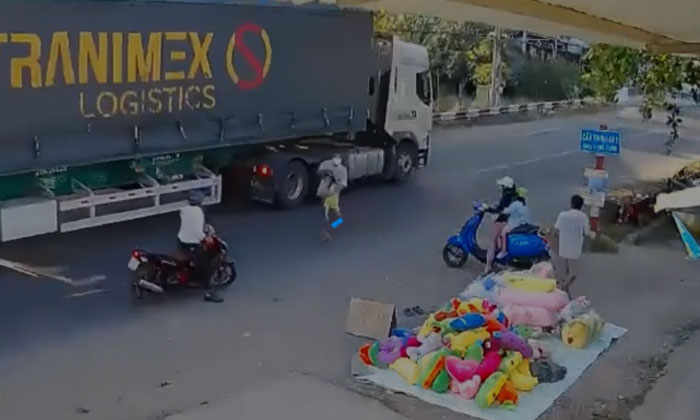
x=190 y=237
x=508 y=194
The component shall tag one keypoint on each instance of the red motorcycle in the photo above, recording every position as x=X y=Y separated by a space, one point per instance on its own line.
x=159 y=273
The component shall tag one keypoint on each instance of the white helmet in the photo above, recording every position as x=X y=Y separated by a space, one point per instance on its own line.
x=505 y=182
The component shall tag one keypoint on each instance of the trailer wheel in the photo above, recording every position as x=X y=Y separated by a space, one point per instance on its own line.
x=293 y=185
x=406 y=159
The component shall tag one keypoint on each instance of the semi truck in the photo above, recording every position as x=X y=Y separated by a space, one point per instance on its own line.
x=117 y=110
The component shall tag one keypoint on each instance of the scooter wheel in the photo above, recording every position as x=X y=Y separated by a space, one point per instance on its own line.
x=454 y=256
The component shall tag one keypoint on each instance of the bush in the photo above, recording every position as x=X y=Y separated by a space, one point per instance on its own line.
x=547 y=80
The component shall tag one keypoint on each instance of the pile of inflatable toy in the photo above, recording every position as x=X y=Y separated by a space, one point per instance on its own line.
x=485 y=344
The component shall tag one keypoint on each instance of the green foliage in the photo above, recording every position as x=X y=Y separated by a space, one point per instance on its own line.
x=481 y=55
x=547 y=80
x=608 y=68
x=448 y=43
x=659 y=75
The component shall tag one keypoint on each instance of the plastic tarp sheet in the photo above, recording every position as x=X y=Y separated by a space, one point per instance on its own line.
x=530 y=405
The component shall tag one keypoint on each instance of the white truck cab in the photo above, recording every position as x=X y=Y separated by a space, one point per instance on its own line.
x=405 y=110
x=409 y=109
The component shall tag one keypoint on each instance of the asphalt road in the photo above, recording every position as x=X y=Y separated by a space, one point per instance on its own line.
x=91 y=346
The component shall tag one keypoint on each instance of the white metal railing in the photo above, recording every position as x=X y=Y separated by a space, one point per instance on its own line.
x=152 y=189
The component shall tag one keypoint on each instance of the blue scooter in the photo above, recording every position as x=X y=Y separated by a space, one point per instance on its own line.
x=525 y=245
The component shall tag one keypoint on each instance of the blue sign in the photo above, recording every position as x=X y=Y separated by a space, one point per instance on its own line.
x=601 y=141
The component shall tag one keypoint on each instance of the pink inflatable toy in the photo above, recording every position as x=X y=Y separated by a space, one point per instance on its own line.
x=489 y=365
x=530 y=315
x=460 y=370
x=467 y=389
x=410 y=342
x=553 y=301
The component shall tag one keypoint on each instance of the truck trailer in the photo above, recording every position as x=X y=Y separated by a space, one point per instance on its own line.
x=117 y=110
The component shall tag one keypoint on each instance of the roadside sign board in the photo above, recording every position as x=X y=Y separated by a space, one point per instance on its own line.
x=595 y=173
x=598 y=179
x=601 y=141
x=592 y=198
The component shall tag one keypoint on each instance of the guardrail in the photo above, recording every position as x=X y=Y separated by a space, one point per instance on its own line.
x=471 y=114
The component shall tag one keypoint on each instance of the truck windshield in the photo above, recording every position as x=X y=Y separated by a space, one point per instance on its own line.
x=423 y=88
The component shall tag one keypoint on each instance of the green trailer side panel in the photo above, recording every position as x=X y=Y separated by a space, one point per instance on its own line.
x=63 y=181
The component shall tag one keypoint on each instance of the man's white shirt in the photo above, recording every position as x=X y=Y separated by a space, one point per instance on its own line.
x=191 y=225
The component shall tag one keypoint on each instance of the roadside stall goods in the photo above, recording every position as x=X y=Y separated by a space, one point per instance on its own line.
x=485 y=345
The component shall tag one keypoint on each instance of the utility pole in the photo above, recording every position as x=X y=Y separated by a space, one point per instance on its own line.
x=495 y=94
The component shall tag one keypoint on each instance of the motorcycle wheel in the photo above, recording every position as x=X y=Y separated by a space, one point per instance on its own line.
x=225 y=275
x=454 y=256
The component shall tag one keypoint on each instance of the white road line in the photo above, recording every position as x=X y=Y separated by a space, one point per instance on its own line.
x=491 y=169
x=651 y=132
x=38 y=272
x=13 y=266
x=525 y=162
x=544 y=131
x=88 y=293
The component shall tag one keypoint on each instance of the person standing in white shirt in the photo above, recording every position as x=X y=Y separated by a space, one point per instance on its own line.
x=570 y=229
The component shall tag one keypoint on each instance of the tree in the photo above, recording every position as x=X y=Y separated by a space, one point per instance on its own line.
x=448 y=43
x=608 y=68
x=548 y=80
x=481 y=55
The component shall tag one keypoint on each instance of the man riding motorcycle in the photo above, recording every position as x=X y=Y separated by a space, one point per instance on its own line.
x=190 y=241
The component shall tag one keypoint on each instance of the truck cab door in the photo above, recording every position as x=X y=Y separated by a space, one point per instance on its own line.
x=409 y=113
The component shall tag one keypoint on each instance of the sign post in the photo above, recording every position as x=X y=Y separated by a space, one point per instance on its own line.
x=601 y=142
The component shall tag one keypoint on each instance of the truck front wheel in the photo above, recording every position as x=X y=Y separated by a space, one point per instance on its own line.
x=406 y=159
x=293 y=185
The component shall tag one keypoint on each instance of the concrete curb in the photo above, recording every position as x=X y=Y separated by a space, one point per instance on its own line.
x=540 y=107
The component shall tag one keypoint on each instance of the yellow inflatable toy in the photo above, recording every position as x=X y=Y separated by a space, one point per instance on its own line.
x=581 y=331
x=407 y=368
x=522 y=378
x=529 y=283
x=473 y=305
x=428 y=326
x=490 y=389
x=460 y=342
x=510 y=362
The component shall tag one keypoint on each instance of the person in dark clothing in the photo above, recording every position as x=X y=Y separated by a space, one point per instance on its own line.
x=508 y=194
